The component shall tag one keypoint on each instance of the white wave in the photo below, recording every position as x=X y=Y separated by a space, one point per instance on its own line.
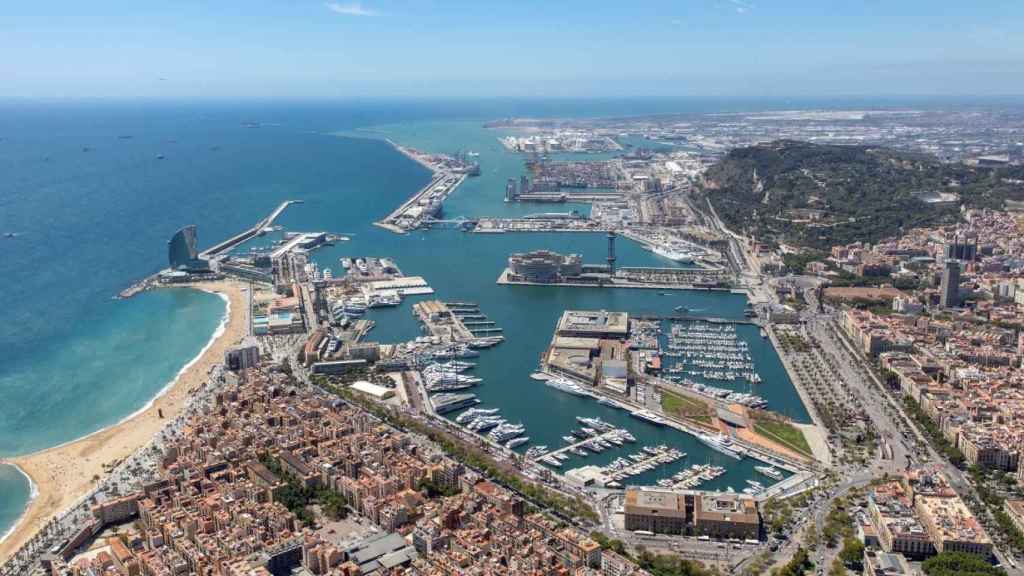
x=32 y=495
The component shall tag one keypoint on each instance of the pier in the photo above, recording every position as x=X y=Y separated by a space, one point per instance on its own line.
x=423 y=207
x=552 y=224
x=448 y=321
x=231 y=243
x=640 y=466
x=424 y=204
x=588 y=440
x=612 y=282
x=692 y=477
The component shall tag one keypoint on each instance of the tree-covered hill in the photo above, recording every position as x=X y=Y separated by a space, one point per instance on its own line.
x=820 y=195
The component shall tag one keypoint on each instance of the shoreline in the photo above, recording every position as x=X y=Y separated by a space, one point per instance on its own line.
x=33 y=493
x=61 y=475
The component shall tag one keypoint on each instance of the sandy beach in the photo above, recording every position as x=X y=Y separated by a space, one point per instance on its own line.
x=64 y=473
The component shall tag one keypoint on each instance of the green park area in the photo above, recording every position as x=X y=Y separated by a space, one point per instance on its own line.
x=779 y=430
x=684 y=407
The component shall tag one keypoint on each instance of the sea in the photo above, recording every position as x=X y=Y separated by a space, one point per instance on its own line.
x=93 y=190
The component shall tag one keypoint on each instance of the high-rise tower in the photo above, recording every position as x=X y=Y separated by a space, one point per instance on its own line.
x=181 y=248
x=949 y=296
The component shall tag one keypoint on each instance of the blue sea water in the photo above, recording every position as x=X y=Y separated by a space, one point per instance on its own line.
x=93 y=207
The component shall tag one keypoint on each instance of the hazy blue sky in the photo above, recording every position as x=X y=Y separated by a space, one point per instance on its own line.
x=309 y=48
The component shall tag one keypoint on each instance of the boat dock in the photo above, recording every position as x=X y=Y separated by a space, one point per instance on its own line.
x=457 y=322
x=578 y=445
x=620 y=469
x=643 y=462
x=476 y=322
x=692 y=477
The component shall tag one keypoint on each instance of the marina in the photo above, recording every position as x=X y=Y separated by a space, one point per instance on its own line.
x=714 y=353
x=518 y=311
x=346 y=183
x=692 y=478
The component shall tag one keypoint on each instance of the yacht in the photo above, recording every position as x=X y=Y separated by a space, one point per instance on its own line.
x=383 y=299
x=485 y=423
x=648 y=416
x=566 y=385
x=506 y=432
x=450 y=378
x=474 y=413
x=595 y=423
x=354 y=306
x=452 y=366
x=769 y=471
x=674 y=254
x=451 y=402
x=455 y=352
x=721 y=443
x=515 y=442
x=536 y=451
x=449 y=386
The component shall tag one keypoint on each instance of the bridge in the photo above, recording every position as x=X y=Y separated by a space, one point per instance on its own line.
x=234 y=241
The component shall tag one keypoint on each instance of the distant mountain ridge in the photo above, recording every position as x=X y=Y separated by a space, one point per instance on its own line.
x=819 y=195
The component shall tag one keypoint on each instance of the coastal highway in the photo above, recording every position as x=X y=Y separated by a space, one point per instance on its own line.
x=909 y=444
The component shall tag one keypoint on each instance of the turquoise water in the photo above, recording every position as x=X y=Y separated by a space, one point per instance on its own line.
x=107 y=371
x=464 y=267
x=93 y=210
x=14 y=493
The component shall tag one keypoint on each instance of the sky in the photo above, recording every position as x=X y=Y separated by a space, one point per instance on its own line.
x=516 y=48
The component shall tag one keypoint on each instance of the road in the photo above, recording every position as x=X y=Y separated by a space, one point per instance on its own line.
x=910 y=446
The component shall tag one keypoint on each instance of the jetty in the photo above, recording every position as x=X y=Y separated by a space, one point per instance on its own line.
x=457 y=322
x=426 y=204
x=570 y=447
x=234 y=241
